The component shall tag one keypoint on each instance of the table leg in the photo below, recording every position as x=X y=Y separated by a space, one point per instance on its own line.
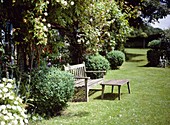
x=112 y=88
x=102 y=96
x=119 y=86
x=128 y=87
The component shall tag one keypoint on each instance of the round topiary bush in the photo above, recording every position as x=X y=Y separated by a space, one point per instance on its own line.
x=96 y=63
x=153 y=57
x=154 y=44
x=52 y=89
x=116 y=58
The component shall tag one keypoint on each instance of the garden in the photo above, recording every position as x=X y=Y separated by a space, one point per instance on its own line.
x=147 y=104
x=38 y=39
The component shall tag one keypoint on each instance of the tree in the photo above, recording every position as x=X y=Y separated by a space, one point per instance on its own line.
x=86 y=25
x=144 y=11
x=91 y=26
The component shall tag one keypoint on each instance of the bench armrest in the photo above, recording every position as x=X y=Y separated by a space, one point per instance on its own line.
x=79 y=77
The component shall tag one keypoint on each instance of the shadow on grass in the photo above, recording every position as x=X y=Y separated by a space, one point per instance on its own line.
x=108 y=96
x=79 y=95
x=129 y=57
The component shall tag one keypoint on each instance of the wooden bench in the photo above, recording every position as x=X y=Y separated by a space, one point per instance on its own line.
x=81 y=79
x=113 y=83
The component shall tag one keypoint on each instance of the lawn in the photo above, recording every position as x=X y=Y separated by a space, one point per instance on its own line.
x=148 y=103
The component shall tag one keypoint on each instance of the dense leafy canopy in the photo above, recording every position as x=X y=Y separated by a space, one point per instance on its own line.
x=90 y=24
x=144 y=11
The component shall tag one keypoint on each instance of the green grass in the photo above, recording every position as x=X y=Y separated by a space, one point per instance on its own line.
x=148 y=103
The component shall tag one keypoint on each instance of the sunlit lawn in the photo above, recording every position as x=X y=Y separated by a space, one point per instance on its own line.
x=148 y=103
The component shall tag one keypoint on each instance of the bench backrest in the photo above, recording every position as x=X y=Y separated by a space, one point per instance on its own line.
x=76 y=70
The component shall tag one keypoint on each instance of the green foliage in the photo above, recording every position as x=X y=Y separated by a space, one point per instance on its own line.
x=143 y=11
x=153 y=57
x=12 y=109
x=97 y=63
x=52 y=90
x=116 y=58
x=154 y=44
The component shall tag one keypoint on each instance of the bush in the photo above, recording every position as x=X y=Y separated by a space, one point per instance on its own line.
x=96 y=63
x=154 y=44
x=12 y=110
x=116 y=58
x=52 y=90
x=153 y=57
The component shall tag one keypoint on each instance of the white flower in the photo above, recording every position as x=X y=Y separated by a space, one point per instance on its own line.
x=7 y=95
x=46 y=14
x=15 y=102
x=0 y=95
x=11 y=117
x=49 y=25
x=4 y=79
x=9 y=85
x=47 y=2
x=10 y=80
x=19 y=99
x=5 y=111
x=15 y=122
x=1 y=85
x=45 y=28
x=72 y=2
x=5 y=89
x=64 y=3
x=11 y=97
x=19 y=109
x=8 y=106
x=24 y=115
x=9 y=114
x=6 y=117
x=26 y=121
x=41 y=24
x=91 y=19
x=2 y=123
x=21 y=122
x=44 y=20
x=2 y=107
x=14 y=107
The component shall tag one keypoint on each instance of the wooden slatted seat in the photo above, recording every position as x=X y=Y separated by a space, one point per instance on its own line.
x=81 y=79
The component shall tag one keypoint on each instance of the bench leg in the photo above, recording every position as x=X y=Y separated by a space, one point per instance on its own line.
x=112 y=88
x=103 y=87
x=128 y=85
x=86 y=91
x=119 y=86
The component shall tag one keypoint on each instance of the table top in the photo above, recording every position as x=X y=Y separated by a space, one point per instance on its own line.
x=116 y=82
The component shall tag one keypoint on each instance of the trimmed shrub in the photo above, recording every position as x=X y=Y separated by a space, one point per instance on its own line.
x=153 y=57
x=154 y=44
x=116 y=58
x=51 y=91
x=97 y=63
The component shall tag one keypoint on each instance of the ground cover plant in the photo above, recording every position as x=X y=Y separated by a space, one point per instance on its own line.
x=148 y=103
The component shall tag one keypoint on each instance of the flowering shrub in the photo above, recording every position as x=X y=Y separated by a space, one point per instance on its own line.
x=12 y=110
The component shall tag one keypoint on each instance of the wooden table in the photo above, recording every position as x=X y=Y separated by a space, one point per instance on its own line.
x=113 y=83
